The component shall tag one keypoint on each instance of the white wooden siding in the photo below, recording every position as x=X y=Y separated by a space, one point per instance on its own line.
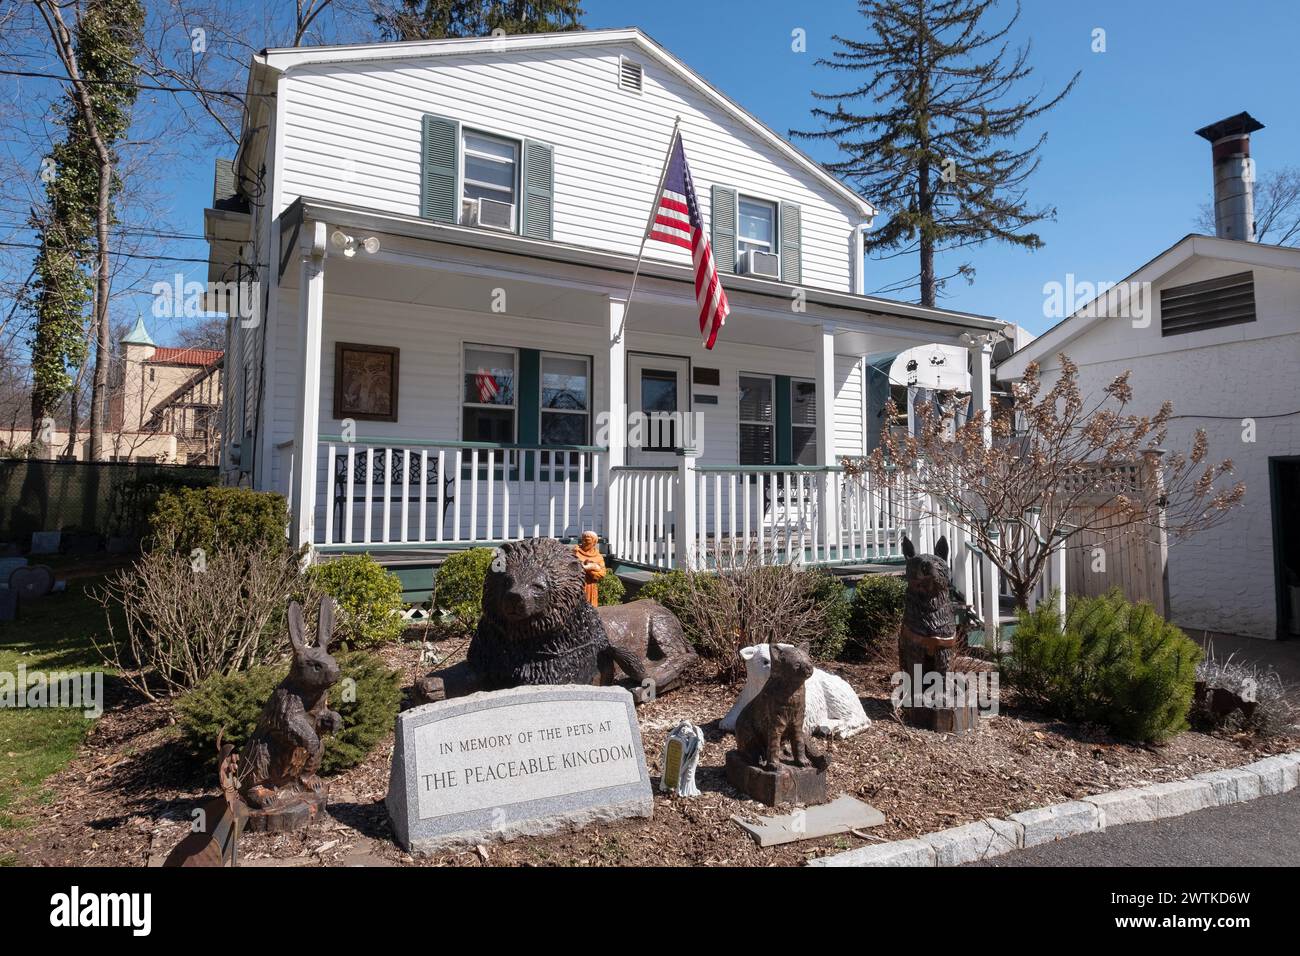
x=352 y=134
x=848 y=405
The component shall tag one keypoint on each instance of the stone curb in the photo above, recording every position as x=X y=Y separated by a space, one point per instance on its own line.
x=1158 y=801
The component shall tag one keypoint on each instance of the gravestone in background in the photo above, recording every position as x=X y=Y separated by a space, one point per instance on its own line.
x=518 y=762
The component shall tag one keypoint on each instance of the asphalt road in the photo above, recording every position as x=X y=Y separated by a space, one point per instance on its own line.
x=1263 y=832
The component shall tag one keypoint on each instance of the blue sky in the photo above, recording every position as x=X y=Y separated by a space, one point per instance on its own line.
x=1121 y=163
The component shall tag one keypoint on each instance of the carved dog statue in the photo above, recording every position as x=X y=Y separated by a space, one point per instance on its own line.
x=775 y=717
x=928 y=636
x=537 y=628
x=280 y=762
x=831 y=705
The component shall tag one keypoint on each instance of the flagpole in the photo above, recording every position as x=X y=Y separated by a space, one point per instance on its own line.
x=654 y=209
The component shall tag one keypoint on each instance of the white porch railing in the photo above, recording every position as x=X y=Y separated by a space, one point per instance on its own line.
x=783 y=514
x=388 y=491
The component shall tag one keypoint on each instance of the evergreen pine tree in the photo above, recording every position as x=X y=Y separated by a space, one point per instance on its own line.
x=926 y=134
x=439 y=19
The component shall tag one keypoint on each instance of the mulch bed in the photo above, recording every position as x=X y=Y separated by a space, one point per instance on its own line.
x=127 y=798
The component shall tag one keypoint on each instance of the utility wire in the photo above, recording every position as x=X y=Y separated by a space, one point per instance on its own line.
x=196 y=90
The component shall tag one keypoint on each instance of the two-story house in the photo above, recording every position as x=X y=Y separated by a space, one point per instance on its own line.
x=444 y=234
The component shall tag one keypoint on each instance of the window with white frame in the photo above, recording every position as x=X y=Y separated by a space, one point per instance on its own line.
x=803 y=421
x=565 y=400
x=757 y=420
x=488 y=397
x=491 y=169
x=756 y=225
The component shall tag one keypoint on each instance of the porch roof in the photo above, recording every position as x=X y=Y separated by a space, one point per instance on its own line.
x=843 y=307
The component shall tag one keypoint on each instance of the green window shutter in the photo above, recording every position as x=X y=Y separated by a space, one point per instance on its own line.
x=724 y=228
x=529 y=395
x=784 y=443
x=791 y=243
x=439 y=166
x=539 y=190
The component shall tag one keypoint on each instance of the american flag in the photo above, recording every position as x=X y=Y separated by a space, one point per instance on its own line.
x=678 y=221
x=487 y=387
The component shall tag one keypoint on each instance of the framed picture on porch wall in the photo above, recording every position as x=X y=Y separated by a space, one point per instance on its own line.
x=365 y=382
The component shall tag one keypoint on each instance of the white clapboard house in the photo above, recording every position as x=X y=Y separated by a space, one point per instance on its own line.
x=444 y=234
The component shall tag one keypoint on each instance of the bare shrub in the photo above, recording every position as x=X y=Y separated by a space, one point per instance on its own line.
x=1266 y=711
x=740 y=601
x=174 y=621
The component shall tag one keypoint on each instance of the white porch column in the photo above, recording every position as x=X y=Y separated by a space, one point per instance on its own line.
x=684 y=532
x=311 y=301
x=616 y=425
x=824 y=361
x=982 y=382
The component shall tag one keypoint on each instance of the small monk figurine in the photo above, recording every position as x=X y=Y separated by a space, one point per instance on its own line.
x=593 y=565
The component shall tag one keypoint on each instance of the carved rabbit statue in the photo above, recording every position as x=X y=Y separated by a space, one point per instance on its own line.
x=280 y=762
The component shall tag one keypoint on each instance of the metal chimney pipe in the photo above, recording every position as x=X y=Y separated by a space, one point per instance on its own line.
x=1234 y=175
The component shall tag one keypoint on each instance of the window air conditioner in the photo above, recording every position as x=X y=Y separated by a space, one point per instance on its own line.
x=765 y=265
x=488 y=214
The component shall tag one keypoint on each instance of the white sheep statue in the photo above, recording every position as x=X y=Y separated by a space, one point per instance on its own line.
x=831 y=707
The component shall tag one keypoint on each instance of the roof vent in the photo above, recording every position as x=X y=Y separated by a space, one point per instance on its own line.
x=630 y=74
x=1227 y=300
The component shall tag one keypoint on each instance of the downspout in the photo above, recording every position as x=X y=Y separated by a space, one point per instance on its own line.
x=860 y=255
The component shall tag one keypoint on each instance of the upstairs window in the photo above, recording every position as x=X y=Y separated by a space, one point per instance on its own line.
x=757 y=226
x=491 y=169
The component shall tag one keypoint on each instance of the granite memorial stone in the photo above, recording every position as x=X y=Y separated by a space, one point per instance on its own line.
x=517 y=762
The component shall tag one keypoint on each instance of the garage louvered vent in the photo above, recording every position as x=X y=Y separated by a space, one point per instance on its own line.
x=630 y=75
x=1228 y=300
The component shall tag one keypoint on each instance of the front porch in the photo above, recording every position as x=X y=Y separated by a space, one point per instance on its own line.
x=494 y=331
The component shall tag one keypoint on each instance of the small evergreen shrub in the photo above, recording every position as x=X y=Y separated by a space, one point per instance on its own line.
x=829 y=592
x=610 y=589
x=875 y=614
x=368 y=598
x=1110 y=662
x=458 y=585
x=219 y=517
x=231 y=706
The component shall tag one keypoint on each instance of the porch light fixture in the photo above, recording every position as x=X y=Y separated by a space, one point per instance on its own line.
x=348 y=244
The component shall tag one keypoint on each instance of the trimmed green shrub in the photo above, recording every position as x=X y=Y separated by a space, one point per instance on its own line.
x=875 y=614
x=458 y=585
x=1112 y=663
x=231 y=705
x=369 y=599
x=611 y=589
x=829 y=592
x=219 y=517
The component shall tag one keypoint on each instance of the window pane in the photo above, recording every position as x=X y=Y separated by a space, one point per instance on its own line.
x=473 y=191
x=489 y=424
x=756 y=399
x=558 y=429
x=757 y=221
x=756 y=445
x=488 y=146
x=803 y=403
x=658 y=390
x=489 y=377
x=564 y=383
x=490 y=171
x=805 y=444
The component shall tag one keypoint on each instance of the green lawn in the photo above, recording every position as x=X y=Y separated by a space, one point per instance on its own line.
x=52 y=634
